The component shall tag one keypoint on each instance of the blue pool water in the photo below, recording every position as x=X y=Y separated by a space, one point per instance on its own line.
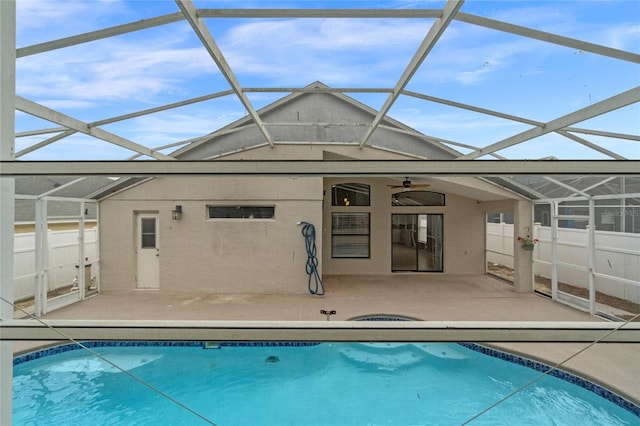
x=298 y=384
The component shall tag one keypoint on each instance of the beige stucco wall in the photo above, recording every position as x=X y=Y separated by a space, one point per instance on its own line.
x=198 y=254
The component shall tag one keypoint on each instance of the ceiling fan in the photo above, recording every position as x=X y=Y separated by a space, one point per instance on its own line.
x=406 y=185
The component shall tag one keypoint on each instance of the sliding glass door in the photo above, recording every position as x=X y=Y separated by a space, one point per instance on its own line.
x=416 y=242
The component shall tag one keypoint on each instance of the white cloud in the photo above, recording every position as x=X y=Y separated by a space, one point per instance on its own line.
x=625 y=37
x=111 y=72
x=44 y=20
x=336 y=52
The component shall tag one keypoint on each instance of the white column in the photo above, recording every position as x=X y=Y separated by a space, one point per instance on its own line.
x=591 y=248
x=554 y=250
x=7 y=195
x=81 y=256
x=523 y=281
x=41 y=231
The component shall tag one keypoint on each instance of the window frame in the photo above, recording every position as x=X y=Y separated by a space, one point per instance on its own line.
x=367 y=234
x=241 y=207
x=406 y=194
x=346 y=202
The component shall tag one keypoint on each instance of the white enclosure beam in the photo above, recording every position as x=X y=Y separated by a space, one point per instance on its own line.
x=115 y=119
x=97 y=35
x=38 y=132
x=320 y=13
x=162 y=108
x=324 y=331
x=564 y=132
x=201 y=30
x=7 y=196
x=316 y=89
x=61 y=187
x=548 y=37
x=565 y=186
x=603 y=133
x=591 y=145
x=450 y=10
x=321 y=168
x=472 y=108
x=53 y=116
x=44 y=143
x=618 y=101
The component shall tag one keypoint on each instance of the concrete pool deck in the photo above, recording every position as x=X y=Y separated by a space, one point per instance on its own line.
x=425 y=297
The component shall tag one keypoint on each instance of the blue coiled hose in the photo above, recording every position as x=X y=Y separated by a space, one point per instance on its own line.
x=309 y=233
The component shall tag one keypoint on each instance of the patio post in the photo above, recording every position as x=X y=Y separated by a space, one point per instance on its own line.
x=523 y=281
x=7 y=196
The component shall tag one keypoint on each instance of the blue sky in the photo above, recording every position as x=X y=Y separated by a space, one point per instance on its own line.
x=470 y=64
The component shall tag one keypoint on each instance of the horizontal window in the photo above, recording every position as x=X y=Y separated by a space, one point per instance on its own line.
x=241 y=212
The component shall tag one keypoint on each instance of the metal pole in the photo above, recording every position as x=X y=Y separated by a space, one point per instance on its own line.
x=554 y=250
x=40 y=238
x=7 y=196
x=591 y=248
x=81 y=256
x=623 y=202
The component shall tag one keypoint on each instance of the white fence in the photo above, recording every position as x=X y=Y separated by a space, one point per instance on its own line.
x=616 y=257
x=63 y=254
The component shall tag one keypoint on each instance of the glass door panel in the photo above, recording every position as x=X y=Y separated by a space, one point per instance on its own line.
x=416 y=241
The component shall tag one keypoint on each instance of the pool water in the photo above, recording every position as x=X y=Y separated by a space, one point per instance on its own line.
x=308 y=384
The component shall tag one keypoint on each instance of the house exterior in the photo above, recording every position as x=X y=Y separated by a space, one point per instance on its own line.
x=242 y=234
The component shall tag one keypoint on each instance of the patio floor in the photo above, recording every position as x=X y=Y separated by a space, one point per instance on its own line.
x=421 y=296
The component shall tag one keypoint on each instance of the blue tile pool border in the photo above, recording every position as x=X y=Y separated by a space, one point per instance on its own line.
x=54 y=350
x=560 y=374
x=505 y=356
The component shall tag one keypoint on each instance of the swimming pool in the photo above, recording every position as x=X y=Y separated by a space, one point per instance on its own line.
x=299 y=384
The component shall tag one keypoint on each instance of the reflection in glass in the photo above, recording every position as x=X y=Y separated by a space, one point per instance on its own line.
x=350 y=194
x=417 y=198
x=148 y=234
x=416 y=242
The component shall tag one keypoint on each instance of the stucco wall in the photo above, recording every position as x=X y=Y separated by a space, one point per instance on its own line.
x=213 y=255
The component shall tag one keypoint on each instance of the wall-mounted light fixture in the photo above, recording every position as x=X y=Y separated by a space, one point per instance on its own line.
x=176 y=214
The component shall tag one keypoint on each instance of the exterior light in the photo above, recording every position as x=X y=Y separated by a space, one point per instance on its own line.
x=176 y=214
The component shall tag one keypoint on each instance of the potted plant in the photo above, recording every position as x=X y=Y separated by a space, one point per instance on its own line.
x=527 y=242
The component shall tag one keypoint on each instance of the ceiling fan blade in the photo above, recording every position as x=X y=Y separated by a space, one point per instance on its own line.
x=406 y=184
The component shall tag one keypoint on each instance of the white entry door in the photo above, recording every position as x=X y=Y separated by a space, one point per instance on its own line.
x=148 y=251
